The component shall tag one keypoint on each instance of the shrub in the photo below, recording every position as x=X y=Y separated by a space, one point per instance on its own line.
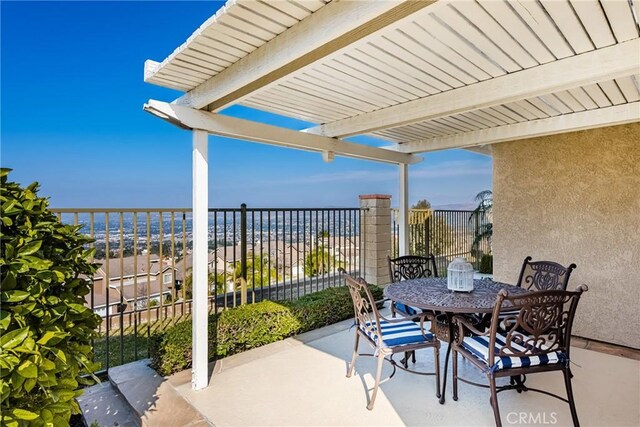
x=486 y=264
x=326 y=307
x=242 y=328
x=45 y=326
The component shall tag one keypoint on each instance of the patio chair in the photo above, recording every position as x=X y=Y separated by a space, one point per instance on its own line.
x=537 y=339
x=406 y=268
x=544 y=275
x=387 y=336
x=540 y=276
x=410 y=267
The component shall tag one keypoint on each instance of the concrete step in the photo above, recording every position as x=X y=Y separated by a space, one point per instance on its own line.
x=103 y=404
x=153 y=401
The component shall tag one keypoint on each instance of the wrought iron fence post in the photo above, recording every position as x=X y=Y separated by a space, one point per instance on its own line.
x=427 y=232
x=243 y=253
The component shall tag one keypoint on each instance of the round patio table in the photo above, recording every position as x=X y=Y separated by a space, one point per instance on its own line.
x=432 y=294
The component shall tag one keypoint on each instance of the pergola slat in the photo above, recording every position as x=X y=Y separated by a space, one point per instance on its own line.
x=621 y=19
x=572 y=29
x=614 y=115
x=594 y=20
x=616 y=61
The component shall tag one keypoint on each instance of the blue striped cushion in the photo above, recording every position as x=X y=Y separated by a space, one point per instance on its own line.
x=479 y=347
x=399 y=333
x=406 y=309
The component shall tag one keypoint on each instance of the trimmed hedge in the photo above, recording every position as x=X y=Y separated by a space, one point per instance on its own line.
x=242 y=328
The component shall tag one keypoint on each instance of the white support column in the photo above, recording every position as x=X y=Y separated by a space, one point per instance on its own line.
x=200 y=371
x=403 y=209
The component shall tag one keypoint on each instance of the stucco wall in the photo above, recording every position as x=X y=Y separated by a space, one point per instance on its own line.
x=569 y=198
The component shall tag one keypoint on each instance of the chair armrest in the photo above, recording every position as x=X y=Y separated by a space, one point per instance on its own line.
x=464 y=325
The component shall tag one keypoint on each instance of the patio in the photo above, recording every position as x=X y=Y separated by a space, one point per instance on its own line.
x=518 y=81
x=537 y=85
x=301 y=381
x=525 y=82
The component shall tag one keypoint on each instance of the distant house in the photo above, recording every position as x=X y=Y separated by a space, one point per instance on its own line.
x=133 y=281
x=288 y=258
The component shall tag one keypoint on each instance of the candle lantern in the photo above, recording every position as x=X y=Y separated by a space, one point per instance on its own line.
x=460 y=275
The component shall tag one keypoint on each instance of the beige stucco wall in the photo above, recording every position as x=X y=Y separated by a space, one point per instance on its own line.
x=569 y=198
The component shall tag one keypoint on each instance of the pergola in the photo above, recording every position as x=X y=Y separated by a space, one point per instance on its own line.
x=423 y=75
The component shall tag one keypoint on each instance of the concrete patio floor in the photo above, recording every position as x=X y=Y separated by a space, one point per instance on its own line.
x=301 y=382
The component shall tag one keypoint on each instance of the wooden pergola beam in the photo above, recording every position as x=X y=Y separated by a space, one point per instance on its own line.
x=231 y=127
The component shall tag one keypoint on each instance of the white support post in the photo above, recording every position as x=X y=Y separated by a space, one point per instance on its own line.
x=200 y=371
x=403 y=209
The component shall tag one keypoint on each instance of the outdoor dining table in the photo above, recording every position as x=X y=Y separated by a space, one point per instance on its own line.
x=432 y=294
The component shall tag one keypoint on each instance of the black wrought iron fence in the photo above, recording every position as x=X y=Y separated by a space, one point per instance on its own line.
x=445 y=233
x=144 y=280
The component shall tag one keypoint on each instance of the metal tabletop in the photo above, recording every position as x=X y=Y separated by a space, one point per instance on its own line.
x=432 y=294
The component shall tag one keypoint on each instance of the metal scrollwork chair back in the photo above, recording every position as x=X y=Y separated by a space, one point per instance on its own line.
x=366 y=313
x=412 y=267
x=544 y=275
x=406 y=268
x=534 y=337
x=386 y=336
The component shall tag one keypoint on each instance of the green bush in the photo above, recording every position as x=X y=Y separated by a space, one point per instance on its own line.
x=486 y=264
x=242 y=328
x=45 y=326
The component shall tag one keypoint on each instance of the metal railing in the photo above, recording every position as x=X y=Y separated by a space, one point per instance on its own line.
x=144 y=279
x=445 y=233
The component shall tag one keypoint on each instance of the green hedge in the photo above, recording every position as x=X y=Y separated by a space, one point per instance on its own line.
x=242 y=328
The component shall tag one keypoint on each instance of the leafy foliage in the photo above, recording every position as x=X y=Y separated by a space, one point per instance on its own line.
x=482 y=217
x=422 y=204
x=319 y=262
x=242 y=328
x=439 y=234
x=259 y=272
x=216 y=284
x=45 y=325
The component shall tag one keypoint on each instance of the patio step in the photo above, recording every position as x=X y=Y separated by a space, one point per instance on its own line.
x=103 y=404
x=153 y=401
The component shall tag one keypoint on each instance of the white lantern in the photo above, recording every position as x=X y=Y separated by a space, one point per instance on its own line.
x=460 y=275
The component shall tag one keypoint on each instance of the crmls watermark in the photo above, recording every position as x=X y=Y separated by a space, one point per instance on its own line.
x=527 y=418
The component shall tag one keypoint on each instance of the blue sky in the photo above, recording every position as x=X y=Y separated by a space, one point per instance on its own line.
x=72 y=92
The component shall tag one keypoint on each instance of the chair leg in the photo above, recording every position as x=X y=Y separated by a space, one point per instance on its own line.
x=393 y=309
x=353 y=357
x=436 y=358
x=572 y=403
x=455 y=374
x=413 y=357
x=494 y=400
x=377 y=384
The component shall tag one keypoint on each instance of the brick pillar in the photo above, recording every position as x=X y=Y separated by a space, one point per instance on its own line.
x=376 y=246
